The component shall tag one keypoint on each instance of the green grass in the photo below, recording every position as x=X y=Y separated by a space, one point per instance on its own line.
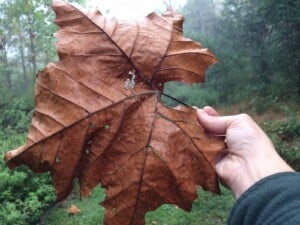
x=91 y=212
x=208 y=209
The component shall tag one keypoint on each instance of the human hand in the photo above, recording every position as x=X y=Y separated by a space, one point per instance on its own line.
x=250 y=154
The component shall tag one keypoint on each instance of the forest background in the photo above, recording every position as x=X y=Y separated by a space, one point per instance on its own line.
x=257 y=43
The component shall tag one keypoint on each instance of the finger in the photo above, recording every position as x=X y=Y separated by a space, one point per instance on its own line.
x=214 y=124
x=210 y=111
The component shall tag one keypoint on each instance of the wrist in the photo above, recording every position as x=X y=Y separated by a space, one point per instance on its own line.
x=256 y=171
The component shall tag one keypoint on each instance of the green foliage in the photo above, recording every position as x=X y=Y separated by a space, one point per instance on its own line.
x=26 y=41
x=286 y=138
x=194 y=95
x=208 y=209
x=10 y=215
x=16 y=114
x=256 y=43
x=23 y=195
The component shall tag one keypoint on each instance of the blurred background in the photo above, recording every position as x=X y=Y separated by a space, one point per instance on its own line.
x=256 y=42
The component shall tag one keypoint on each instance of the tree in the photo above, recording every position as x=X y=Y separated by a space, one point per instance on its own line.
x=256 y=43
x=201 y=17
x=267 y=32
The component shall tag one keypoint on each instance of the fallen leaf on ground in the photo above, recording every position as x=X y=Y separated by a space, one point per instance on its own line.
x=73 y=210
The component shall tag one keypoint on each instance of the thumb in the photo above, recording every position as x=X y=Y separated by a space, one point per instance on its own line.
x=214 y=124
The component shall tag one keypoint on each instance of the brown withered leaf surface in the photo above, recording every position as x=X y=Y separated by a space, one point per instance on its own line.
x=73 y=210
x=96 y=122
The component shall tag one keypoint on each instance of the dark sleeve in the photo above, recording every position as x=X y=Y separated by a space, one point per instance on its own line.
x=274 y=200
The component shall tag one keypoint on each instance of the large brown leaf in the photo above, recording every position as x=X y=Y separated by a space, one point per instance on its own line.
x=96 y=121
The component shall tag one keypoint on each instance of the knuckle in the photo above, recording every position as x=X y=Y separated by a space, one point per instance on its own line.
x=245 y=117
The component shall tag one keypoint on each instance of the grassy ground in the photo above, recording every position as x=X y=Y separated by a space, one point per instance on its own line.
x=208 y=209
x=91 y=212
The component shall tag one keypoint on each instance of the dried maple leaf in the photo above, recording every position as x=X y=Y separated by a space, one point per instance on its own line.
x=73 y=210
x=99 y=117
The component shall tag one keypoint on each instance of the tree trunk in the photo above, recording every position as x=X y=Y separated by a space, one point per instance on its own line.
x=23 y=62
x=5 y=63
x=7 y=72
x=213 y=6
x=33 y=52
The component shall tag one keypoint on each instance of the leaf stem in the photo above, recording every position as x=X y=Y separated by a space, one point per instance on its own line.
x=175 y=99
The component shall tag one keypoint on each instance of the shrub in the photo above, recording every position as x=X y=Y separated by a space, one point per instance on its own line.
x=15 y=114
x=23 y=195
x=286 y=138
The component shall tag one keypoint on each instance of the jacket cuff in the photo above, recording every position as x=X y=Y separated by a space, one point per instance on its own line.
x=272 y=200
